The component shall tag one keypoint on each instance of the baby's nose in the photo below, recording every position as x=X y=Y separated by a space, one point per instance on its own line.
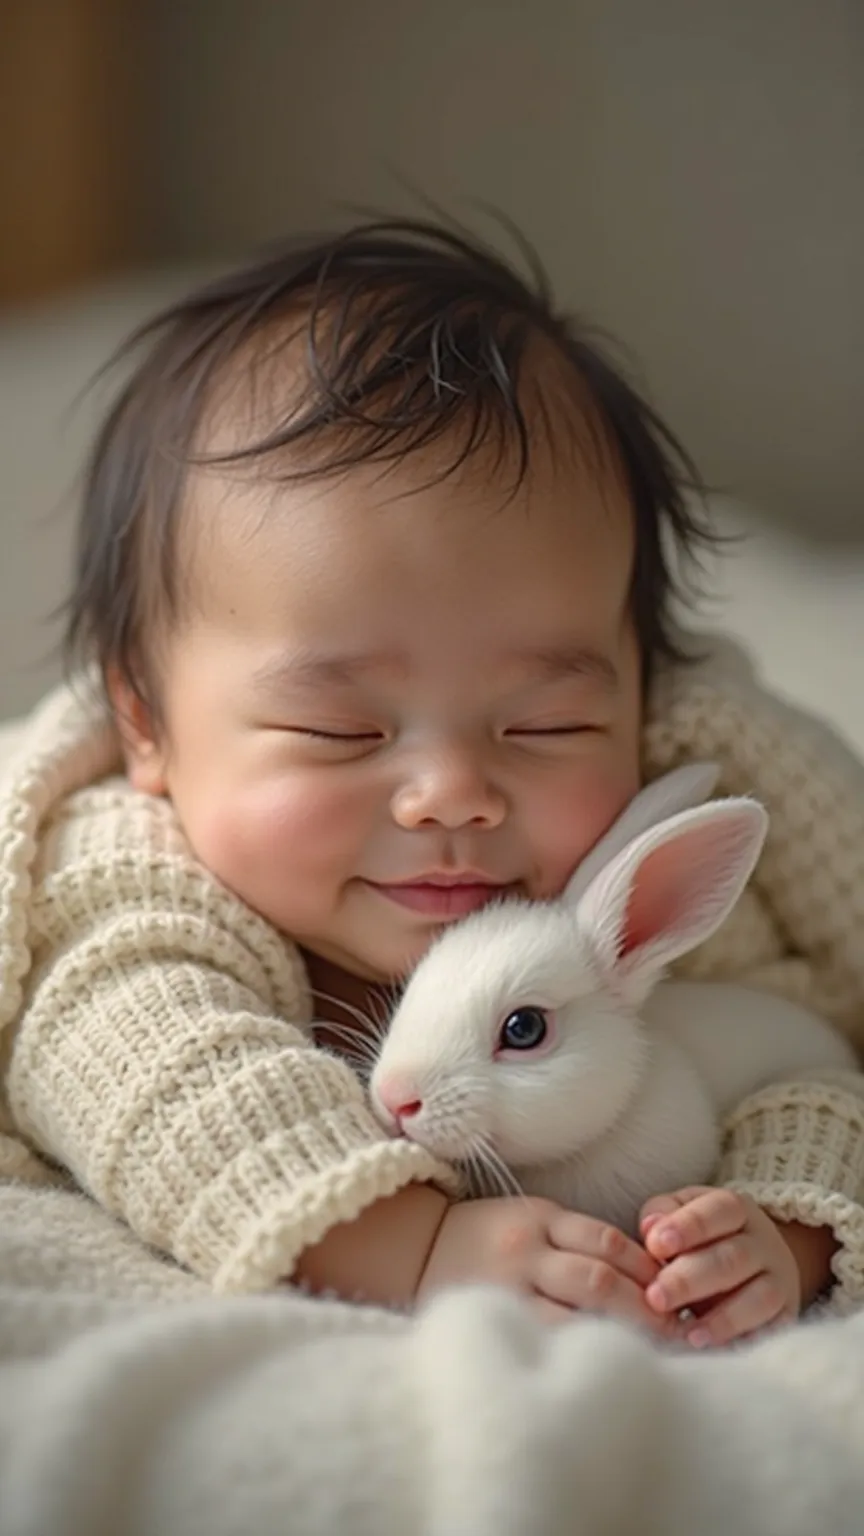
x=400 y=1100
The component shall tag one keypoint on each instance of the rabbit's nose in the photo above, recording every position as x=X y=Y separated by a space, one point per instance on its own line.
x=399 y=1102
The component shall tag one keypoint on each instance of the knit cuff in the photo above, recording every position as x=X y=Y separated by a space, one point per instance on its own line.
x=249 y=1226
x=798 y=1150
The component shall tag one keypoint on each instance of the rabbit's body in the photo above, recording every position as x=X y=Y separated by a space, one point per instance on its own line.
x=740 y=1040
x=667 y=1137
x=540 y=1036
x=708 y=1046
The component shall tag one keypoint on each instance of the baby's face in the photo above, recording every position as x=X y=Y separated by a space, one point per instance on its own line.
x=391 y=702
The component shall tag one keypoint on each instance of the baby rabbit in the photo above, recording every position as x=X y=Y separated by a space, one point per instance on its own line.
x=537 y=1039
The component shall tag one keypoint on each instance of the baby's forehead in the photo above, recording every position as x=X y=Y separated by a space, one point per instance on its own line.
x=364 y=561
x=298 y=397
x=257 y=507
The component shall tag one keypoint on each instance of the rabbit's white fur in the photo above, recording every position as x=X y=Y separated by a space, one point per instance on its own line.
x=627 y=1100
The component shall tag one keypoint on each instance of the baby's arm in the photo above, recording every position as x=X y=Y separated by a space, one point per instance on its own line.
x=154 y=1057
x=785 y=1222
x=380 y=1256
x=415 y=1244
x=754 y=1246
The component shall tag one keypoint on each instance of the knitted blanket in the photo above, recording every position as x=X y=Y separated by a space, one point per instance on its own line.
x=131 y=1400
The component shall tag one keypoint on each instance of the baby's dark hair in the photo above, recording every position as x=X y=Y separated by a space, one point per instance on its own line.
x=412 y=335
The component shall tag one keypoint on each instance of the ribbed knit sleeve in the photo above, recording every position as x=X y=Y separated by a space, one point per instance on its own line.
x=797 y=1148
x=164 y=1055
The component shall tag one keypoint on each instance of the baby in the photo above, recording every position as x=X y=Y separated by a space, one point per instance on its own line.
x=373 y=586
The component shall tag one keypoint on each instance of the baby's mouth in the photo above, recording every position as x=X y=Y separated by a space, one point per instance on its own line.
x=443 y=898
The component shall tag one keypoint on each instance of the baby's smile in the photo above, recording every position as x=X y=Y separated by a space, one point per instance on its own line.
x=446 y=897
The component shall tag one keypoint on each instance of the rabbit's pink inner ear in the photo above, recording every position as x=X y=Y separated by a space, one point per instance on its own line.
x=680 y=890
x=654 y=903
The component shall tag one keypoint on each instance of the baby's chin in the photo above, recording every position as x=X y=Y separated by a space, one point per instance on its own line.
x=376 y=967
x=393 y=969
x=378 y=953
x=390 y=965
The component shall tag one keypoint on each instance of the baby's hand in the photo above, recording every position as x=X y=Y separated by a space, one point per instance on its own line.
x=564 y=1261
x=722 y=1257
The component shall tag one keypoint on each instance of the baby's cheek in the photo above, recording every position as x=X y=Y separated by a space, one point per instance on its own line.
x=579 y=815
x=287 y=825
x=262 y=839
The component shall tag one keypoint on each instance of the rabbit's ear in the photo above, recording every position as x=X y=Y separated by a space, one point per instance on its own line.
x=676 y=791
x=670 y=889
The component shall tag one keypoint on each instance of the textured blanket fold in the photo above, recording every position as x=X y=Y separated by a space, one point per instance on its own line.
x=130 y=1399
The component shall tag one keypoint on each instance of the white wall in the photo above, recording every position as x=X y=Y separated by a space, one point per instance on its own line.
x=692 y=172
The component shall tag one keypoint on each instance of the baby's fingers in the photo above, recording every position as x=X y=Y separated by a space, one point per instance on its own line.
x=577 y=1234
x=591 y=1285
x=757 y=1305
x=660 y=1205
x=706 y=1216
x=715 y=1271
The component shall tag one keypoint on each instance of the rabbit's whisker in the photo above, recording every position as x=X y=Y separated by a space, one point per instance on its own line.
x=497 y=1168
x=384 y=1004
x=370 y=1026
x=355 y=1044
x=477 y=1174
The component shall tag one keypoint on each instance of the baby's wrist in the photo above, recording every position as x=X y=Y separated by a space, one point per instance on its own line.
x=812 y=1248
x=380 y=1257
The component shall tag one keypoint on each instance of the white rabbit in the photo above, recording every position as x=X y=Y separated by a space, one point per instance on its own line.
x=540 y=1036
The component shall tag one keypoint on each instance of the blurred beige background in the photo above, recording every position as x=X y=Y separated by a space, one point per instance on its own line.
x=691 y=172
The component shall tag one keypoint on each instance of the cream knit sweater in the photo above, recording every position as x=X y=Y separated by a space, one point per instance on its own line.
x=156 y=1035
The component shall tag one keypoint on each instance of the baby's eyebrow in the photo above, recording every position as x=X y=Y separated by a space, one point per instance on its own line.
x=551 y=662
x=315 y=668
x=544 y=663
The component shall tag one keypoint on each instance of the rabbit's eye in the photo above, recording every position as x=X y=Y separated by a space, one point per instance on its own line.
x=523 y=1030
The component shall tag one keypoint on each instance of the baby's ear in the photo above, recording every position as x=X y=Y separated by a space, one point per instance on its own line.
x=143 y=749
x=670 y=890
